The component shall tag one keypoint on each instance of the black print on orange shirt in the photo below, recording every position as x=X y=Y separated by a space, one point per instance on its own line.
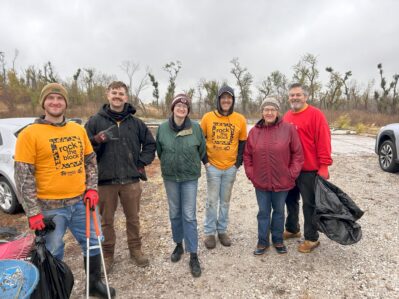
x=222 y=133
x=68 y=154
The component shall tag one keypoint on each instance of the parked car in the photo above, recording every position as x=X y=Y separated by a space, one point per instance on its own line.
x=386 y=147
x=9 y=129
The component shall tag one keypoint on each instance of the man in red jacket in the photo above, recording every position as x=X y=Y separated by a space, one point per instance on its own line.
x=314 y=133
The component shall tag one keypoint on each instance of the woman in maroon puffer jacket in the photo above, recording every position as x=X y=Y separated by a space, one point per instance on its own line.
x=273 y=159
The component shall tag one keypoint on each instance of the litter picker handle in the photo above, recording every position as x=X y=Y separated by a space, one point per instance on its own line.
x=87 y=220
x=95 y=222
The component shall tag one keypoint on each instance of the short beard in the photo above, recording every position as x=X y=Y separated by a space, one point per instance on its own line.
x=296 y=106
x=55 y=115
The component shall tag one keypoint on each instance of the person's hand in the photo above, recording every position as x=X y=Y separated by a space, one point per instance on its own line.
x=91 y=198
x=36 y=222
x=323 y=171
x=105 y=136
x=143 y=175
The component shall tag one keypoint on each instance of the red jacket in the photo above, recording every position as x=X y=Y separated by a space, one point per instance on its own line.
x=315 y=136
x=273 y=156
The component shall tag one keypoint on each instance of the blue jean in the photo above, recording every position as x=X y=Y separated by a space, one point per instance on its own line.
x=182 y=199
x=266 y=201
x=74 y=218
x=220 y=185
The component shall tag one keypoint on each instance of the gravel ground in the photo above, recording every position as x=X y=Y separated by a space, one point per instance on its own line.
x=368 y=269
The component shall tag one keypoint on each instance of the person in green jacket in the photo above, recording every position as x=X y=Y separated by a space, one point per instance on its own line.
x=180 y=148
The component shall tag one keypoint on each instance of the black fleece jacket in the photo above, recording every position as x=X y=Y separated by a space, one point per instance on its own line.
x=131 y=147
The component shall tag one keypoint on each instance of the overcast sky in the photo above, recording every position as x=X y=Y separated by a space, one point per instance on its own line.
x=204 y=35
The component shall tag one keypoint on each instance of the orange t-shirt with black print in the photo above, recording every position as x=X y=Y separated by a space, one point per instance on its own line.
x=57 y=152
x=222 y=134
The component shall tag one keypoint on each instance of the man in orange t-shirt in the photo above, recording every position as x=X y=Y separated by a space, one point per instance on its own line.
x=225 y=132
x=55 y=176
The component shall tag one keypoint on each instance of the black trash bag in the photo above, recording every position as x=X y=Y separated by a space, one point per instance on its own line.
x=56 y=279
x=336 y=213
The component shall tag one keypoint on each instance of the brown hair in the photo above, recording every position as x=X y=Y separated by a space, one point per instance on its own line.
x=116 y=85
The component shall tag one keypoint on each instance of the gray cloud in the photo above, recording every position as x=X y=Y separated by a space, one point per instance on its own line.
x=204 y=35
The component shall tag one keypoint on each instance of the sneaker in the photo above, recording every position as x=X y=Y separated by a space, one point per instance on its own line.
x=280 y=248
x=289 y=235
x=224 y=240
x=308 y=246
x=139 y=258
x=260 y=249
x=210 y=242
x=195 y=265
x=177 y=253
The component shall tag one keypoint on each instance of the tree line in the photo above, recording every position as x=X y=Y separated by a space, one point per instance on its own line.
x=20 y=90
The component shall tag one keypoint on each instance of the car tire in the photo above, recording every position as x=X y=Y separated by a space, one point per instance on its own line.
x=8 y=200
x=386 y=156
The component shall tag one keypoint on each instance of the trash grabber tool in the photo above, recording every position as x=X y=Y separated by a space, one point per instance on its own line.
x=88 y=247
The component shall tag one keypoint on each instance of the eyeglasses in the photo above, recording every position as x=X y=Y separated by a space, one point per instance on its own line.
x=181 y=106
x=269 y=110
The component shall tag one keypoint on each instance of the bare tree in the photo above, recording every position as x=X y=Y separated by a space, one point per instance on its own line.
x=173 y=69
x=142 y=85
x=200 y=96
x=306 y=72
x=244 y=81
x=155 y=92
x=383 y=98
x=211 y=88
x=16 y=53
x=130 y=68
x=275 y=84
x=3 y=67
x=333 y=93
x=343 y=80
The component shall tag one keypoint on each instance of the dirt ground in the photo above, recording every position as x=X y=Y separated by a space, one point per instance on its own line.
x=368 y=269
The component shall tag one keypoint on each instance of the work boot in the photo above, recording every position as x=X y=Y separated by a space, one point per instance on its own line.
x=109 y=265
x=139 y=258
x=289 y=235
x=177 y=253
x=210 y=241
x=224 y=239
x=96 y=287
x=195 y=265
x=308 y=246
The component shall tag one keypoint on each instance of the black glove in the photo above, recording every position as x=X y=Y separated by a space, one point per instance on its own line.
x=143 y=175
x=106 y=135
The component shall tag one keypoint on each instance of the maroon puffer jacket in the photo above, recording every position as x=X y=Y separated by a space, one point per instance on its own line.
x=273 y=156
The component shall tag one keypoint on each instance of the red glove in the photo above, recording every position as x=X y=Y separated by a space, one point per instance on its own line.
x=36 y=222
x=91 y=197
x=323 y=171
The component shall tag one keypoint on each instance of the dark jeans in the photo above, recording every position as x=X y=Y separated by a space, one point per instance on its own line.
x=305 y=184
x=268 y=201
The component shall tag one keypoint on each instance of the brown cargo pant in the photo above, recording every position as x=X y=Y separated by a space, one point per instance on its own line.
x=129 y=195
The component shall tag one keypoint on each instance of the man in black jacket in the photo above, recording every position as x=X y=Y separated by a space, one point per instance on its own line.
x=124 y=145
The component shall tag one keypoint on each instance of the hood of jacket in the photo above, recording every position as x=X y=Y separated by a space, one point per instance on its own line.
x=222 y=90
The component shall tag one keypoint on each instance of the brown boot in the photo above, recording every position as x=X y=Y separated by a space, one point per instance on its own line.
x=289 y=235
x=224 y=240
x=210 y=242
x=139 y=258
x=308 y=246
